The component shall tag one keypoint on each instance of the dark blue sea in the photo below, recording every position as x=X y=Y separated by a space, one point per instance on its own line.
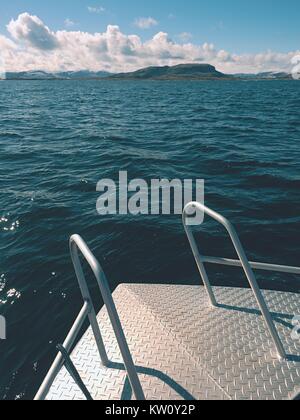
x=59 y=138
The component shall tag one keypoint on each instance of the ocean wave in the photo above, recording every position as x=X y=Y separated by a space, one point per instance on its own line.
x=57 y=142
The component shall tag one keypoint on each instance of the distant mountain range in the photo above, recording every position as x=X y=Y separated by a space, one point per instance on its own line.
x=270 y=75
x=67 y=75
x=179 y=72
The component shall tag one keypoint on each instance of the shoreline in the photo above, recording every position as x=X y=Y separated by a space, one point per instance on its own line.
x=153 y=80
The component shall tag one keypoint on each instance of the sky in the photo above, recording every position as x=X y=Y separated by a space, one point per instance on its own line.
x=117 y=35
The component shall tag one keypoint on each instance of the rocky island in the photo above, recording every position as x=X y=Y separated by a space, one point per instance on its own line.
x=179 y=72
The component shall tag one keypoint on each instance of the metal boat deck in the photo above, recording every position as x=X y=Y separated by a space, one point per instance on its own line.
x=166 y=342
x=184 y=349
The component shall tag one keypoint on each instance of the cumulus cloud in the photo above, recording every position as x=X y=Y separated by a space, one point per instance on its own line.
x=145 y=23
x=185 y=36
x=32 y=30
x=96 y=9
x=69 y=23
x=31 y=45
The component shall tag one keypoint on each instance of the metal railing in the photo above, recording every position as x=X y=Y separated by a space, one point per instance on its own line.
x=88 y=311
x=242 y=262
x=73 y=372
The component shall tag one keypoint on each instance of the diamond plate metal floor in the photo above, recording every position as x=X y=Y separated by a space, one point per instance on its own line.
x=184 y=349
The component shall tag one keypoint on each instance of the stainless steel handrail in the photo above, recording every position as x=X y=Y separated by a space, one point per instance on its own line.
x=59 y=360
x=255 y=265
x=243 y=262
x=73 y=372
x=78 y=244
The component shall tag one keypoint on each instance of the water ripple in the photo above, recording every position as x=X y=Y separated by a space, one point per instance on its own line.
x=57 y=139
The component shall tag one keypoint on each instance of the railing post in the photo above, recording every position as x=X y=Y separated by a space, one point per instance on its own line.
x=245 y=264
x=58 y=362
x=256 y=290
x=76 y=242
x=199 y=262
x=86 y=296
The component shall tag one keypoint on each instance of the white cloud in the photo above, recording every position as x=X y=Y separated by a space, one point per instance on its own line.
x=185 y=36
x=69 y=23
x=96 y=9
x=145 y=23
x=31 y=30
x=34 y=46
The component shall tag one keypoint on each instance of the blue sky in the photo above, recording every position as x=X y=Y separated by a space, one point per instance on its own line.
x=237 y=27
